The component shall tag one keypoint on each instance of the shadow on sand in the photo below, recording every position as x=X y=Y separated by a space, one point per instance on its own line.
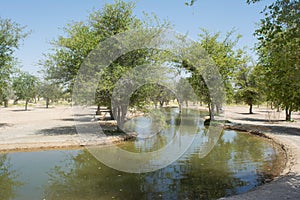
x=4 y=124
x=21 y=110
x=61 y=130
x=260 y=120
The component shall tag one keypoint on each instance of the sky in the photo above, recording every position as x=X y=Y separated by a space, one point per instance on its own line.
x=46 y=18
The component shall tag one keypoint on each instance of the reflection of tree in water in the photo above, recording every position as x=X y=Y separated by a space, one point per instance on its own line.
x=160 y=139
x=83 y=177
x=8 y=182
x=212 y=176
x=259 y=154
x=236 y=164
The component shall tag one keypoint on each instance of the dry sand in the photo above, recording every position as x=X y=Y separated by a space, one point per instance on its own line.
x=41 y=128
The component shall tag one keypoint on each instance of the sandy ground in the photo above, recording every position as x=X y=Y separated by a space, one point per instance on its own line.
x=41 y=128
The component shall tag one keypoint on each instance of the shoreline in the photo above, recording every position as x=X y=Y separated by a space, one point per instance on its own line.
x=284 y=154
x=66 y=145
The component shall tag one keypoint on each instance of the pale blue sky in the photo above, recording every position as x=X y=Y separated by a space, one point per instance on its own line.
x=45 y=18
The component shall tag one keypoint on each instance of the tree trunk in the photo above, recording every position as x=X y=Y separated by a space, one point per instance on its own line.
x=5 y=103
x=271 y=105
x=161 y=104
x=47 y=102
x=111 y=112
x=187 y=103
x=211 y=109
x=167 y=102
x=218 y=109
x=98 y=111
x=26 y=104
x=179 y=105
x=120 y=113
x=288 y=113
x=250 y=109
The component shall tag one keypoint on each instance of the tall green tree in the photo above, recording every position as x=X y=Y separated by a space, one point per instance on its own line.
x=25 y=87
x=247 y=86
x=227 y=58
x=81 y=38
x=11 y=35
x=279 y=54
x=185 y=92
x=49 y=92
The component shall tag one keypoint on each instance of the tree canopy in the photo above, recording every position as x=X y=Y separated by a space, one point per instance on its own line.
x=25 y=87
x=11 y=35
x=279 y=49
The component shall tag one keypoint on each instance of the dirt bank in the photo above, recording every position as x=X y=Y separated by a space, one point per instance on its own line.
x=41 y=128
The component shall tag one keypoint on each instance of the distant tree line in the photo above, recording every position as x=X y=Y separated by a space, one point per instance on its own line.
x=274 y=78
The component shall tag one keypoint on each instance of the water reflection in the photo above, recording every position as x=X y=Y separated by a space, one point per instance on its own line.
x=8 y=179
x=235 y=165
x=185 y=124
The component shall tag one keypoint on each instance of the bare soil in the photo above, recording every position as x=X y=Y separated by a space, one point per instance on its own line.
x=41 y=128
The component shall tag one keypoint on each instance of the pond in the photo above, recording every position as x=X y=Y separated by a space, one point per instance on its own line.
x=237 y=163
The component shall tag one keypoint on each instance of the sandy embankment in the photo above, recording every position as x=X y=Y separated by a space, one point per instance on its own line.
x=41 y=128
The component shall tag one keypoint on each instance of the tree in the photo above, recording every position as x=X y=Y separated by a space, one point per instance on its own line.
x=49 y=92
x=81 y=38
x=184 y=90
x=190 y=3
x=7 y=94
x=11 y=34
x=226 y=57
x=25 y=87
x=247 y=86
x=279 y=50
